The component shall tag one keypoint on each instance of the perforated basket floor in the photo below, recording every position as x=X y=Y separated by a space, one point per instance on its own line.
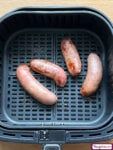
x=72 y=110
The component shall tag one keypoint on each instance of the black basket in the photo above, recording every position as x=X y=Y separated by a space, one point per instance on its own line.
x=36 y=33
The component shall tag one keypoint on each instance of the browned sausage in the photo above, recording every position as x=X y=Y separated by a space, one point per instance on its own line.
x=50 y=70
x=71 y=56
x=94 y=75
x=33 y=87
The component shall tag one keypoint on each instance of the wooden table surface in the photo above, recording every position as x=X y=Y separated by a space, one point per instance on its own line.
x=105 y=6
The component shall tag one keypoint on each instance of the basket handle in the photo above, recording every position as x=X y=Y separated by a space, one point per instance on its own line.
x=52 y=147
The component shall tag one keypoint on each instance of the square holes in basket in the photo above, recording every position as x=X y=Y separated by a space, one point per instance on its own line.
x=71 y=106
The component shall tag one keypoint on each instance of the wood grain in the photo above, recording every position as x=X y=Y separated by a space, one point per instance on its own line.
x=105 y=6
x=15 y=146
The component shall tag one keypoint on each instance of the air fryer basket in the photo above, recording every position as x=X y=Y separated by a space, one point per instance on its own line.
x=36 y=33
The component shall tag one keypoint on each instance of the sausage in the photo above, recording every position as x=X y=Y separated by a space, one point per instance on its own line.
x=94 y=75
x=50 y=70
x=71 y=56
x=33 y=87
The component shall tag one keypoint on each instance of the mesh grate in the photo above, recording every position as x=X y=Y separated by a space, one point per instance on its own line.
x=21 y=107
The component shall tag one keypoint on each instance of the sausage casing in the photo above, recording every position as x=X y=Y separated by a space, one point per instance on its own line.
x=93 y=76
x=50 y=70
x=71 y=56
x=34 y=87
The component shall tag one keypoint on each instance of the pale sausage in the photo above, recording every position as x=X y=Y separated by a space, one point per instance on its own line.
x=71 y=56
x=34 y=87
x=94 y=75
x=50 y=70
